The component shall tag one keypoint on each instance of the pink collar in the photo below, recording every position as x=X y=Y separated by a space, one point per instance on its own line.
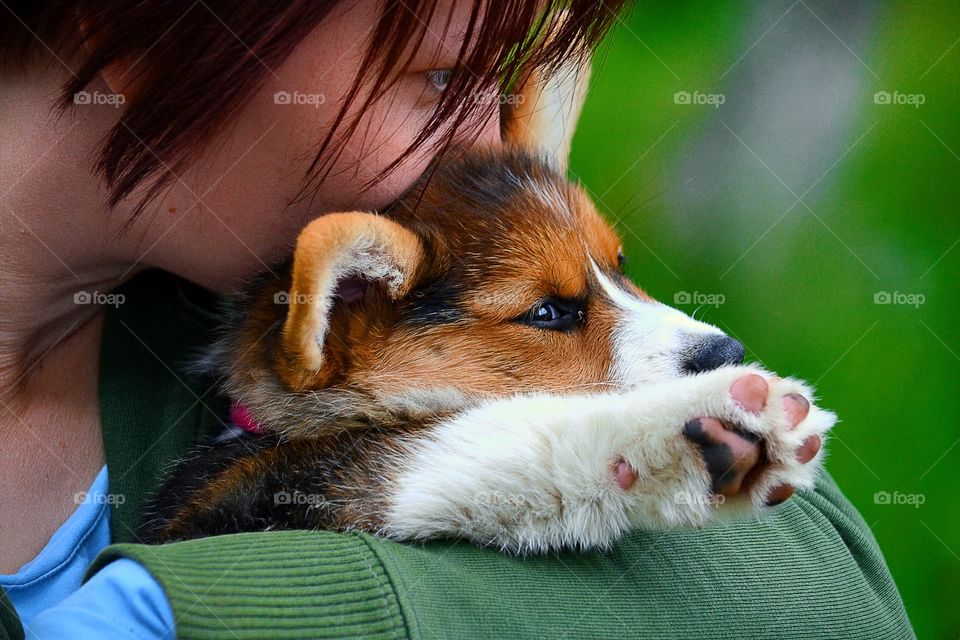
x=241 y=416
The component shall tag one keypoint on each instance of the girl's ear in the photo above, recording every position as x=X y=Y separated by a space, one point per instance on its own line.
x=337 y=257
x=542 y=113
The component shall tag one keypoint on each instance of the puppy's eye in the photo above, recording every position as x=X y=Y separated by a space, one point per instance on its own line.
x=621 y=260
x=440 y=78
x=553 y=314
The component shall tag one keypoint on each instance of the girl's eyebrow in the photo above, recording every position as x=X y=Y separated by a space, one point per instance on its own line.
x=437 y=48
x=443 y=36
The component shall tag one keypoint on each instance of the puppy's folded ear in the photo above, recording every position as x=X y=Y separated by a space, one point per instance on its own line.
x=338 y=256
x=542 y=111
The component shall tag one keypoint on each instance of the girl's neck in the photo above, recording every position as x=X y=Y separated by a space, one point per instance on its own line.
x=57 y=254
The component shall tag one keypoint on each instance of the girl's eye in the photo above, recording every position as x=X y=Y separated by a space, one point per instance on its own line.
x=440 y=78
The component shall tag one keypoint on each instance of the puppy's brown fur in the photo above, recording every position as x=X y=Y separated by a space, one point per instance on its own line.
x=479 y=246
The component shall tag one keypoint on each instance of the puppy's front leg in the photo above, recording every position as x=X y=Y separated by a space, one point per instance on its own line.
x=541 y=472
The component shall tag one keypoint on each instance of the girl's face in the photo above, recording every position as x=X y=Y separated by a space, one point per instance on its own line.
x=227 y=217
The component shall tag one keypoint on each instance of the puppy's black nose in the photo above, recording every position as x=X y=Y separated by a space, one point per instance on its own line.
x=712 y=353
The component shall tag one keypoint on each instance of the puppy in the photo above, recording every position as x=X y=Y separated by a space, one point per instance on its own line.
x=473 y=363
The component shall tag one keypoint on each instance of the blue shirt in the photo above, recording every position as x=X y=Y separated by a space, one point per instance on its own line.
x=120 y=601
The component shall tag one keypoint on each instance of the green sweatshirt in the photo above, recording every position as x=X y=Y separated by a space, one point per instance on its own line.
x=811 y=569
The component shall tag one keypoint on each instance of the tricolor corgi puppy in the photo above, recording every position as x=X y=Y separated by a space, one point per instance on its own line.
x=473 y=363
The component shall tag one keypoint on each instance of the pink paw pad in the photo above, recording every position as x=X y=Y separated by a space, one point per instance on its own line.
x=624 y=474
x=750 y=392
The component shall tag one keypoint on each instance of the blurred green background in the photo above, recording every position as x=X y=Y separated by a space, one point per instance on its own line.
x=787 y=201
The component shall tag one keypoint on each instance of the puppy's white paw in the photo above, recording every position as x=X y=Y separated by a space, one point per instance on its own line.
x=738 y=439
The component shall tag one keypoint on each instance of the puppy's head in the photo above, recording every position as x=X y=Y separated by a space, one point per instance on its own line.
x=499 y=277
x=496 y=276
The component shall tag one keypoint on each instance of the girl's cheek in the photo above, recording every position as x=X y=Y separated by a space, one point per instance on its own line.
x=372 y=150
